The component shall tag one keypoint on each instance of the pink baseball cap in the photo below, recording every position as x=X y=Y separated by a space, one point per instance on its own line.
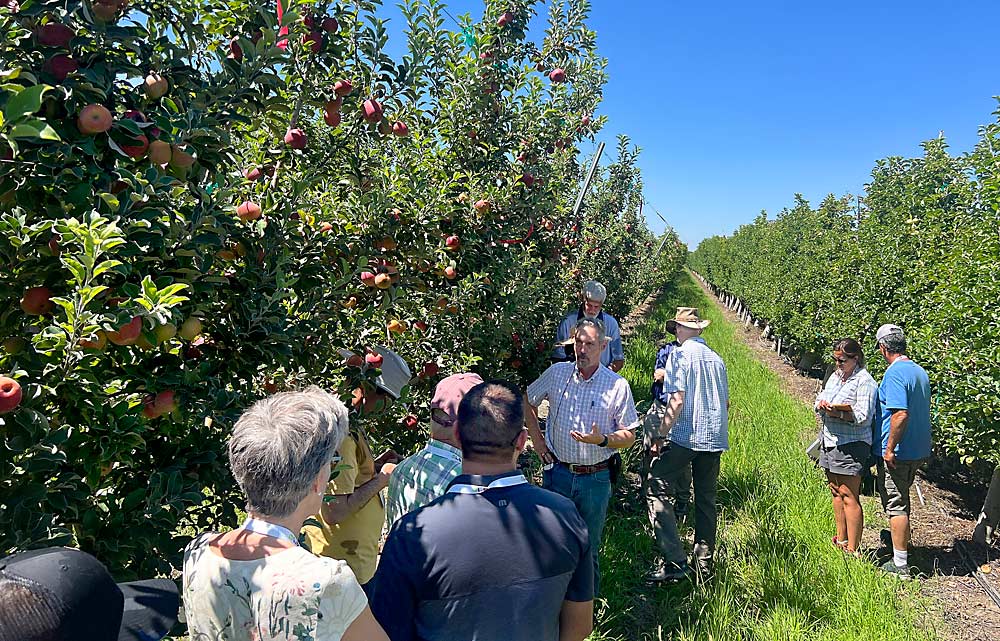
x=449 y=392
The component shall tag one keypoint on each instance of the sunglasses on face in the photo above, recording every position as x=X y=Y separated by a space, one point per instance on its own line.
x=842 y=360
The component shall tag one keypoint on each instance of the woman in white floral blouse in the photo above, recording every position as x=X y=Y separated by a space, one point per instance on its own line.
x=256 y=583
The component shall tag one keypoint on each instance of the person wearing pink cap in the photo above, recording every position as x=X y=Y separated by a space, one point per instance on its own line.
x=423 y=477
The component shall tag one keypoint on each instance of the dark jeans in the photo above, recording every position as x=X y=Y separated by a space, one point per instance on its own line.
x=668 y=472
x=590 y=493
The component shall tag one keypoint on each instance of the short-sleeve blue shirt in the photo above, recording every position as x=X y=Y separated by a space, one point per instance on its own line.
x=905 y=386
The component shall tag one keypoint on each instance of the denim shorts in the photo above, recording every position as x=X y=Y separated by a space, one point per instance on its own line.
x=845 y=459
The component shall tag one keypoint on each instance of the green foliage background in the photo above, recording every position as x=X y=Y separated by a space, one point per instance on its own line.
x=919 y=249
x=115 y=237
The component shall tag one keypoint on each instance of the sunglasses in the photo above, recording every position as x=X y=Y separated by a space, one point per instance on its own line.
x=442 y=417
x=842 y=360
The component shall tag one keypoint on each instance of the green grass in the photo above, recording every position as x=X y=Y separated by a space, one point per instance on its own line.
x=776 y=574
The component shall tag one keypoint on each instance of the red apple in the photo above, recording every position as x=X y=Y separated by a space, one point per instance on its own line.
x=253 y=174
x=527 y=179
x=296 y=139
x=128 y=333
x=421 y=325
x=282 y=42
x=270 y=387
x=104 y=11
x=331 y=117
x=368 y=278
x=372 y=110
x=383 y=281
x=411 y=422
x=342 y=87
x=10 y=394
x=59 y=66
x=330 y=24
x=235 y=50
x=313 y=41
x=55 y=34
x=98 y=344
x=180 y=158
x=94 y=119
x=137 y=150
x=540 y=67
x=373 y=359
x=431 y=368
x=557 y=75
x=482 y=206
x=505 y=19
x=36 y=301
x=54 y=248
x=159 y=152
x=450 y=273
x=165 y=402
x=400 y=129
x=248 y=210
x=452 y=242
x=396 y=326
x=155 y=86
x=585 y=120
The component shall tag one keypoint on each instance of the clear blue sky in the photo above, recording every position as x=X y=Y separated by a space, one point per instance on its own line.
x=739 y=105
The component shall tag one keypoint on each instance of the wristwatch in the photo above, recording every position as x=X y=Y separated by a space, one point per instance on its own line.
x=603 y=443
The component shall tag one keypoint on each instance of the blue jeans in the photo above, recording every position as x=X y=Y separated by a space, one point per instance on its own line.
x=590 y=493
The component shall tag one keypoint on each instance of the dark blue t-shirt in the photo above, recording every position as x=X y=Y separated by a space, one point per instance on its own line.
x=493 y=566
x=662 y=356
x=904 y=386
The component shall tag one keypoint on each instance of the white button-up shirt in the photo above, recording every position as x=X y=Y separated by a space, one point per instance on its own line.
x=860 y=392
x=576 y=404
x=703 y=424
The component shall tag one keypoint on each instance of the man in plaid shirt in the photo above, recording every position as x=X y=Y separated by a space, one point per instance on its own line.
x=423 y=477
x=691 y=439
x=591 y=416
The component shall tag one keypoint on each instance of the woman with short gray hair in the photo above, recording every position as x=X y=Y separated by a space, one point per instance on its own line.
x=256 y=582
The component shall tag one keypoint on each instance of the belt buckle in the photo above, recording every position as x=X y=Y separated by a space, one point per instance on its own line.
x=576 y=468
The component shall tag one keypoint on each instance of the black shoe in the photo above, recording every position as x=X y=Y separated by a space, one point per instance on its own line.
x=670 y=573
x=885 y=538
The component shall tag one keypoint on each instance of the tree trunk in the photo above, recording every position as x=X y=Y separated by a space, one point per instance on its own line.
x=989 y=518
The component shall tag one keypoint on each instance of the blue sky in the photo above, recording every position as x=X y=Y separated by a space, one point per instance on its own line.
x=739 y=105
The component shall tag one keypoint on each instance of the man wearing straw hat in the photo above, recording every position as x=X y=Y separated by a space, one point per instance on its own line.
x=691 y=439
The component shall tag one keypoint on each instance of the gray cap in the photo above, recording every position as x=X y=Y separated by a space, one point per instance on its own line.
x=886 y=330
x=594 y=291
x=395 y=373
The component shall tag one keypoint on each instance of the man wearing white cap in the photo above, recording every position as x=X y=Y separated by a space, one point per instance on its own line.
x=593 y=296
x=350 y=524
x=901 y=440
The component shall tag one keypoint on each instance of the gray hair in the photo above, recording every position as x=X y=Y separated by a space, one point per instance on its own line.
x=894 y=343
x=602 y=332
x=281 y=443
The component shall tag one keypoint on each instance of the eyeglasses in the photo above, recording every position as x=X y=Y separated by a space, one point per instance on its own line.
x=441 y=417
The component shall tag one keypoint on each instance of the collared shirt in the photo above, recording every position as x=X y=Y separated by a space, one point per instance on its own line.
x=662 y=356
x=859 y=391
x=613 y=351
x=421 y=478
x=703 y=424
x=495 y=565
x=576 y=404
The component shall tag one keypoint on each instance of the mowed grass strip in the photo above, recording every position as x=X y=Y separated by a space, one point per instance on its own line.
x=776 y=575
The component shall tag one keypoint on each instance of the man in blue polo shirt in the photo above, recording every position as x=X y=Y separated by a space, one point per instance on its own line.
x=901 y=440
x=494 y=559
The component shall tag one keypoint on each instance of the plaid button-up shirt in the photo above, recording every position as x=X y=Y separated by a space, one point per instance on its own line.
x=860 y=392
x=703 y=425
x=576 y=404
x=421 y=478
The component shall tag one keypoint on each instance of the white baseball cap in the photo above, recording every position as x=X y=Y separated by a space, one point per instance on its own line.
x=886 y=330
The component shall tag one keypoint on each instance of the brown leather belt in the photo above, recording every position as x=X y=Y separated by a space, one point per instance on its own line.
x=585 y=469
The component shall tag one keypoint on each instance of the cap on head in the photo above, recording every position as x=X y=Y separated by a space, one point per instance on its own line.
x=395 y=374
x=887 y=330
x=68 y=594
x=449 y=392
x=595 y=291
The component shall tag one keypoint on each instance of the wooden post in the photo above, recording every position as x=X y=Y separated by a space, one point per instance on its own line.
x=989 y=518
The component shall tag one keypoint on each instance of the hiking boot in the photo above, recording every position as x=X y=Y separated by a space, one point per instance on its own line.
x=890 y=567
x=670 y=572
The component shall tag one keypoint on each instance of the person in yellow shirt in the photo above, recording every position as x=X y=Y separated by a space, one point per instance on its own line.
x=350 y=523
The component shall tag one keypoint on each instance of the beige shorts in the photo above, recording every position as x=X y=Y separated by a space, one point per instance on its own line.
x=894 y=486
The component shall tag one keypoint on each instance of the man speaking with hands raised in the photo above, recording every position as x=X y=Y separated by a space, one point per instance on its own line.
x=591 y=416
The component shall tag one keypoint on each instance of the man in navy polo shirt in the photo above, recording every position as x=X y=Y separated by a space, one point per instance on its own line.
x=495 y=558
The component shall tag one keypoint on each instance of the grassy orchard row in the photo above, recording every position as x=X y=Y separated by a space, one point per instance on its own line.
x=920 y=250
x=286 y=233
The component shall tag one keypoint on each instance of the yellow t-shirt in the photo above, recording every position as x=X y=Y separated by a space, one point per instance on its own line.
x=356 y=538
